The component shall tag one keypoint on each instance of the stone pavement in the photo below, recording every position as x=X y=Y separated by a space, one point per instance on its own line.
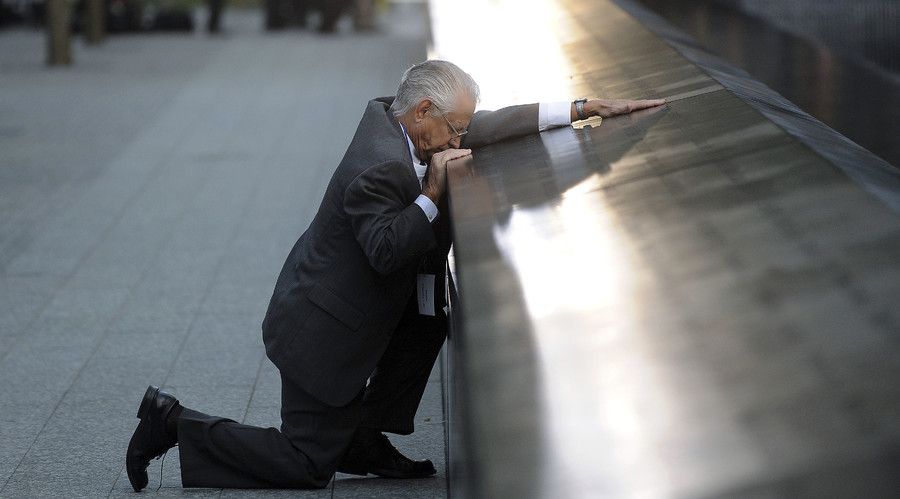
x=148 y=196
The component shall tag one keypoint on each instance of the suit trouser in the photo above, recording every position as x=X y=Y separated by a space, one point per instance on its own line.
x=219 y=452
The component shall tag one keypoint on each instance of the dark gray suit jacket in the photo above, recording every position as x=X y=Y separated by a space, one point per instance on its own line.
x=346 y=282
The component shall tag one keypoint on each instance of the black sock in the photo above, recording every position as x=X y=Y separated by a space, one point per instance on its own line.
x=365 y=436
x=172 y=421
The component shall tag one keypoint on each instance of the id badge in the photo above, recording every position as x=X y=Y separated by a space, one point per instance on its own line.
x=425 y=287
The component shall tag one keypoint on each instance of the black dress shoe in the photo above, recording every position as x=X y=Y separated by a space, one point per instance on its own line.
x=383 y=459
x=150 y=439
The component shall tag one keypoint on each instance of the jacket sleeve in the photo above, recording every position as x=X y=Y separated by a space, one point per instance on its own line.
x=488 y=127
x=391 y=230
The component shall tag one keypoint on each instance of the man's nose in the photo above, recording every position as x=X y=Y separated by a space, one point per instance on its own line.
x=455 y=142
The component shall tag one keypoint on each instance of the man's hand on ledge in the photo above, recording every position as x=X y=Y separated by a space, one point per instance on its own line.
x=436 y=176
x=607 y=108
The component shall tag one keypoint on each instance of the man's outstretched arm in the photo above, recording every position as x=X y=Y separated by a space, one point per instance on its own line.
x=606 y=108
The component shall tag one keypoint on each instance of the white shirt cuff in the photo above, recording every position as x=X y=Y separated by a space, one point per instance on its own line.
x=427 y=206
x=554 y=114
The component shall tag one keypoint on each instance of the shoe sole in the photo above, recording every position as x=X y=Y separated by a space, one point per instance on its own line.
x=385 y=473
x=399 y=476
x=147 y=401
x=353 y=471
x=395 y=476
x=137 y=476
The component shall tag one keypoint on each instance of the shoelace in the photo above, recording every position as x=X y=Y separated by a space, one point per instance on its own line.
x=162 y=463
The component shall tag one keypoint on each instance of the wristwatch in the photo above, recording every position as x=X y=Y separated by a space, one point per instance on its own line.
x=579 y=108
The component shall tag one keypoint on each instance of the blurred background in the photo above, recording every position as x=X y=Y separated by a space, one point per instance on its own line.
x=123 y=16
x=838 y=60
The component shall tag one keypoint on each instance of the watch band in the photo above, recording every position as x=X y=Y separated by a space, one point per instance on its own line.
x=579 y=108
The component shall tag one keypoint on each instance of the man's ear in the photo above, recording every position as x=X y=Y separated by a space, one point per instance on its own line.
x=422 y=109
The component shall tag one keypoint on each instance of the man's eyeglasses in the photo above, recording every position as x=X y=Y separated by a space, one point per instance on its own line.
x=456 y=134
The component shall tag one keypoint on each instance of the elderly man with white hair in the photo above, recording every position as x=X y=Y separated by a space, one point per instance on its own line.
x=356 y=320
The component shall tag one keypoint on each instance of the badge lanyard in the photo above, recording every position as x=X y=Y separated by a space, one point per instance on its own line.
x=424 y=281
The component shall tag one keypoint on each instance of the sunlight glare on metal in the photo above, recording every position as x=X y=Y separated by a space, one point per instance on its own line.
x=509 y=69
x=579 y=311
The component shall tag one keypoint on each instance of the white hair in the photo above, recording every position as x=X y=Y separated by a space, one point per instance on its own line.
x=440 y=81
